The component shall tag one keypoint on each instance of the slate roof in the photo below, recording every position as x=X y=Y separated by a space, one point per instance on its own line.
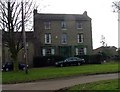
x=109 y=49
x=43 y=16
x=29 y=35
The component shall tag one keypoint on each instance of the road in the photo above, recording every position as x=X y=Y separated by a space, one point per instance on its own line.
x=56 y=84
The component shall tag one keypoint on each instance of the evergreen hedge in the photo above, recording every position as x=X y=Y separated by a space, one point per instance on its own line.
x=42 y=61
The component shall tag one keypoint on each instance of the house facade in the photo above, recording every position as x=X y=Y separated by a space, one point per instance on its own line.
x=62 y=34
x=56 y=34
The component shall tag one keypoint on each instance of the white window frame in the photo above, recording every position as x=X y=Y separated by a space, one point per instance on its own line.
x=48 y=38
x=44 y=52
x=47 y=25
x=53 y=51
x=48 y=51
x=63 y=25
x=64 y=38
x=85 y=51
x=80 y=38
x=81 y=51
x=79 y=25
x=76 y=51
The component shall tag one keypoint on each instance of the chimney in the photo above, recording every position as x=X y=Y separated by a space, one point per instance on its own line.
x=85 y=13
x=35 y=11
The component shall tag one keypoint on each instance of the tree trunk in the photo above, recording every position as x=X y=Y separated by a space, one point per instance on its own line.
x=15 y=63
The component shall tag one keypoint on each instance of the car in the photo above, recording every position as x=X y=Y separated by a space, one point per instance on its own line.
x=8 y=66
x=70 y=61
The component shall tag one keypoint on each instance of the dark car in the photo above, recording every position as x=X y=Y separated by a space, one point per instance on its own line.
x=70 y=61
x=8 y=66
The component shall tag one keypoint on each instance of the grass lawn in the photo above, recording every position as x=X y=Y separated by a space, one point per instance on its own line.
x=100 y=85
x=56 y=72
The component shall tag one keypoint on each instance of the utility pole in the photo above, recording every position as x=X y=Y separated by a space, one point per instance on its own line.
x=24 y=39
x=119 y=24
x=117 y=9
x=2 y=41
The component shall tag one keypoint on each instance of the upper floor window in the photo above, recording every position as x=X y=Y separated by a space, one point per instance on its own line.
x=79 y=25
x=47 y=38
x=47 y=25
x=63 y=25
x=64 y=38
x=80 y=38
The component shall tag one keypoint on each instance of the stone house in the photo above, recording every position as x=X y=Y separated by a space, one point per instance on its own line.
x=62 y=34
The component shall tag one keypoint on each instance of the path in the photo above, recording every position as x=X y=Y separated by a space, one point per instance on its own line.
x=56 y=84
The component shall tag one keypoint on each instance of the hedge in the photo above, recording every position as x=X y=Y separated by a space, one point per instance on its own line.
x=42 y=61
x=92 y=59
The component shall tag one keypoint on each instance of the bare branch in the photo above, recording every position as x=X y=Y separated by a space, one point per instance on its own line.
x=116 y=6
x=11 y=19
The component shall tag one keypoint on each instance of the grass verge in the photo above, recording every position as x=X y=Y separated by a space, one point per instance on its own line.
x=36 y=74
x=102 y=86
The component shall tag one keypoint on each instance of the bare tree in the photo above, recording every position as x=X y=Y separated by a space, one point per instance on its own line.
x=103 y=41
x=116 y=6
x=11 y=25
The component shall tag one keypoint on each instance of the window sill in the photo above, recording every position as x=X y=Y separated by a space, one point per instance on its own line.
x=79 y=28
x=48 y=43
x=63 y=43
x=47 y=28
x=63 y=29
x=80 y=42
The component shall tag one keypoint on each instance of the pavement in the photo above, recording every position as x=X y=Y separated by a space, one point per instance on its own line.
x=59 y=83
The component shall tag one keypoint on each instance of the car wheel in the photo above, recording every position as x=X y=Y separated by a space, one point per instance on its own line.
x=24 y=68
x=6 y=69
x=78 y=63
x=61 y=65
x=1 y=69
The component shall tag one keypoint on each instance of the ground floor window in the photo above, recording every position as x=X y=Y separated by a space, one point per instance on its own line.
x=64 y=51
x=81 y=51
x=48 y=51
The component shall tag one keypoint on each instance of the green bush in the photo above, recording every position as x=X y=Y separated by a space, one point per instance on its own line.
x=46 y=60
x=92 y=59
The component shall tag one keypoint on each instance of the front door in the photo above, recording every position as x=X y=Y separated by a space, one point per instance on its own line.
x=65 y=51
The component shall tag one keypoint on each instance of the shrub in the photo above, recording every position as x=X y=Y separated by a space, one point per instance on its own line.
x=92 y=59
x=42 y=61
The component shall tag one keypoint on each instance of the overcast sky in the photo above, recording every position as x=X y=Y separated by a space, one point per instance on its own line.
x=104 y=21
